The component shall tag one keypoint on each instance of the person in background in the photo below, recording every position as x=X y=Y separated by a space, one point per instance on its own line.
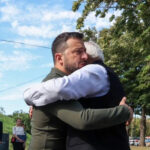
x=19 y=134
x=24 y=144
x=1 y=131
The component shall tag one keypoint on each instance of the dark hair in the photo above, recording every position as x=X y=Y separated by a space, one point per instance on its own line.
x=59 y=44
x=18 y=119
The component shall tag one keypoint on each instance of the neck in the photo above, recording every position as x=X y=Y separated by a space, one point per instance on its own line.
x=61 y=68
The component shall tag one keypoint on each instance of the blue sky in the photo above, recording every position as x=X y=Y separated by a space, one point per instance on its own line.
x=36 y=22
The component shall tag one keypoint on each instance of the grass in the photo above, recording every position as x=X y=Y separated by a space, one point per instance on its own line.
x=8 y=123
x=139 y=148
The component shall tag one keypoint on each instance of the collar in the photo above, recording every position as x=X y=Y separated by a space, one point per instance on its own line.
x=58 y=72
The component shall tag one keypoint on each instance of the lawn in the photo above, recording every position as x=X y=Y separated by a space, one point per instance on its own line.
x=8 y=123
x=139 y=148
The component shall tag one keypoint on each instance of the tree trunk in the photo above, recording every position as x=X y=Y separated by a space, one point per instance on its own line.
x=142 y=127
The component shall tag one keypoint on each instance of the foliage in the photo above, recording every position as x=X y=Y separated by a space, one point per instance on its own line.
x=91 y=34
x=134 y=128
x=8 y=123
x=126 y=46
x=133 y=11
x=148 y=127
x=124 y=56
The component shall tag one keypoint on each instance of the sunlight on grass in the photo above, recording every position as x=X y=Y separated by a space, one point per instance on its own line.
x=139 y=148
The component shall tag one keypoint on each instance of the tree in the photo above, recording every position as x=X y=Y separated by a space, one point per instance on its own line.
x=134 y=128
x=122 y=53
x=2 y=111
x=133 y=11
x=126 y=46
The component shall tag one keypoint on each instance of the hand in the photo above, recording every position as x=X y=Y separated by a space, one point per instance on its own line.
x=21 y=141
x=131 y=116
x=30 y=112
x=123 y=102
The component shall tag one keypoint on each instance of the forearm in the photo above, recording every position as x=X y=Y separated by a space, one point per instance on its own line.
x=16 y=137
x=76 y=116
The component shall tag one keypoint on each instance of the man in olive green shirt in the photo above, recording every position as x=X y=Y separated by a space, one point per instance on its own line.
x=49 y=123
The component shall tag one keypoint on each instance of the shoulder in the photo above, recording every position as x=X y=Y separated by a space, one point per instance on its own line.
x=48 y=77
x=94 y=68
x=14 y=127
x=55 y=73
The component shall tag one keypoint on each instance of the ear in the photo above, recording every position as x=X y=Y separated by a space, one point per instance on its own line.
x=59 y=58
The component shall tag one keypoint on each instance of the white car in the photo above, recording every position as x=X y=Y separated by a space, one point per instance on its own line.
x=134 y=141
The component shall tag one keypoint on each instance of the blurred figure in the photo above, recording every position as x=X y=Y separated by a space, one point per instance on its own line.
x=19 y=134
x=1 y=131
x=24 y=144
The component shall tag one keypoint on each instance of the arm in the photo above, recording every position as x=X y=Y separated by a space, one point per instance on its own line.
x=70 y=87
x=72 y=113
x=15 y=134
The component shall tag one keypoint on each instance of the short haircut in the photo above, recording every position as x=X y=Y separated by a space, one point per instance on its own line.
x=18 y=119
x=93 y=50
x=59 y=44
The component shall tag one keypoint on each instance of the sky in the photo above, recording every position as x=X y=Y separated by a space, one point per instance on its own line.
x=35 y=23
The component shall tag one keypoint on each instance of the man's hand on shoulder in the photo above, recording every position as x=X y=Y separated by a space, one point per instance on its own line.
x=123 y=102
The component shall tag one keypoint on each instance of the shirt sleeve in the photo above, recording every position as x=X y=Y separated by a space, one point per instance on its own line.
x=72 y=113
x=14 y=130
x=91 y=80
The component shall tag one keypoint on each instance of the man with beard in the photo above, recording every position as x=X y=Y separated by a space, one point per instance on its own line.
x=49 y=126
